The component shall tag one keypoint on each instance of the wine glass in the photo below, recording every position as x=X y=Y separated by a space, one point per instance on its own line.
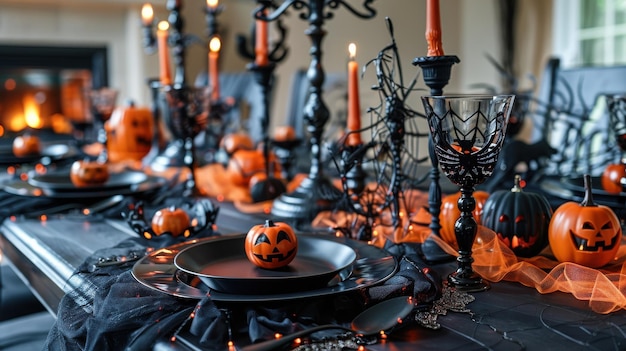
x=467 y=132
x=617 y=112
x=102 y=105
x=187 y=115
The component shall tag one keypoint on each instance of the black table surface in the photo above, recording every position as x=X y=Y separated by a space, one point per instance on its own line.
x=509 y=316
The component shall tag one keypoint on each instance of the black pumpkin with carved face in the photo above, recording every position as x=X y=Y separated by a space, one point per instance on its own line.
x=520 y=219
x=271 y=245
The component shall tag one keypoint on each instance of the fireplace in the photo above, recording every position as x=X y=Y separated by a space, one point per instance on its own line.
x=47 y=87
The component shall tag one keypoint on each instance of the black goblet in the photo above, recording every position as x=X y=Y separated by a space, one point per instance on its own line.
x=186 y=117
x=102 y=105
x=467 y=132
x=617 y=112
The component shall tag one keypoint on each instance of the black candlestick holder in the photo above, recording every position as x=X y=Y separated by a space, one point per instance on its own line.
x=270 y=187
x=176 y=153
x=316 y=192
x=436 y=72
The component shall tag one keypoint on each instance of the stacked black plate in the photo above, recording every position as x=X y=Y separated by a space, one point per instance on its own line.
x=324 y=265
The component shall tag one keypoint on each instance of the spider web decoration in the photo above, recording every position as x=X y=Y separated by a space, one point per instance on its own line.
x=392 y=154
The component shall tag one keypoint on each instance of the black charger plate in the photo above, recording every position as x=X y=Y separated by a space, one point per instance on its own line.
x=157 y=271
x=23 y=188
x=573 y=189
x=54 y=152
x=61 y=182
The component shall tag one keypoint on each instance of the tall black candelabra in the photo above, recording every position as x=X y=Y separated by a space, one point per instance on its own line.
x=316 y=192
x=436 y=72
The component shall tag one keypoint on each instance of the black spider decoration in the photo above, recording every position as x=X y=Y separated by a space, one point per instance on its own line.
x=202 y=214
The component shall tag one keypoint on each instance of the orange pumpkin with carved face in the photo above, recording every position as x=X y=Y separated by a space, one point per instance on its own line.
x=587 y=233
x=25 y=145
x=271 y=245
x=85 y=173
x=130 y=131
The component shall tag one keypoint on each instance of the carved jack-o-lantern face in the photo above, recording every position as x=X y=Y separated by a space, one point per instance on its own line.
x=586 y=233
x=129 y=133
x=89 y=173
x=272 y=245
x=520 y=219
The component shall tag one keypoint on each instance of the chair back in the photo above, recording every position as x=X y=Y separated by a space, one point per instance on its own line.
x=572 y=116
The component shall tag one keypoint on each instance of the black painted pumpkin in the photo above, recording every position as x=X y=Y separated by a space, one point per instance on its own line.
x=520 y=219
x=271 y=245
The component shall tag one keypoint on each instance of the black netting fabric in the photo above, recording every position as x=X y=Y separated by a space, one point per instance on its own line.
x=110 y=310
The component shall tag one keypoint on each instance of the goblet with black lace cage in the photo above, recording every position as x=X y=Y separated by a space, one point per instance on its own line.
x=617 y=115
x=467 y=132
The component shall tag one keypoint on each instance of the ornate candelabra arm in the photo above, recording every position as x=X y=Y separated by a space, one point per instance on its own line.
x=266 y=4
x=279 y=50
x=368 y=13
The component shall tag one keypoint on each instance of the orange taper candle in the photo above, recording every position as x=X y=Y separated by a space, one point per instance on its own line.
x=164 y=53
x=261 y=50
x=214 y=77
x=354 y=106
x=433 y=28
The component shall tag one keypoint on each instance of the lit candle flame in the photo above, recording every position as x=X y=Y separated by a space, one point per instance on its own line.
x=147 y=14
x=215 y=44
x=352 y=50
x=212 y=4
x=164 y=25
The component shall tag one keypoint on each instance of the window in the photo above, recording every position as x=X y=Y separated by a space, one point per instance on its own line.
x=590 y=32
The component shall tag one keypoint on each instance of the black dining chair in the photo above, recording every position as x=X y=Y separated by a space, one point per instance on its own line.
x=572 y=117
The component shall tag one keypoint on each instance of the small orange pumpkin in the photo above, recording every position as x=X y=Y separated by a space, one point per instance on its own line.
x=236 y=141
x=284 y=133
x=450 y=213
x=130 y=131
x=612 y=178
x=25 y=145
x=271 y=245
x=170 y=220
x=89 y=173
x=243 y=164
x=587 y=233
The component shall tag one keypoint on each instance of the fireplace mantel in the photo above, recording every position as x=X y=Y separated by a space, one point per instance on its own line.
x=114 y=24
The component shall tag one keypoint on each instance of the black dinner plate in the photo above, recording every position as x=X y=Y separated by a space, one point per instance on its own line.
x=19 y=187
x=573 y=189
x=53 y=152
x=222 y=265
x=60 y=181
x=157 y=271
